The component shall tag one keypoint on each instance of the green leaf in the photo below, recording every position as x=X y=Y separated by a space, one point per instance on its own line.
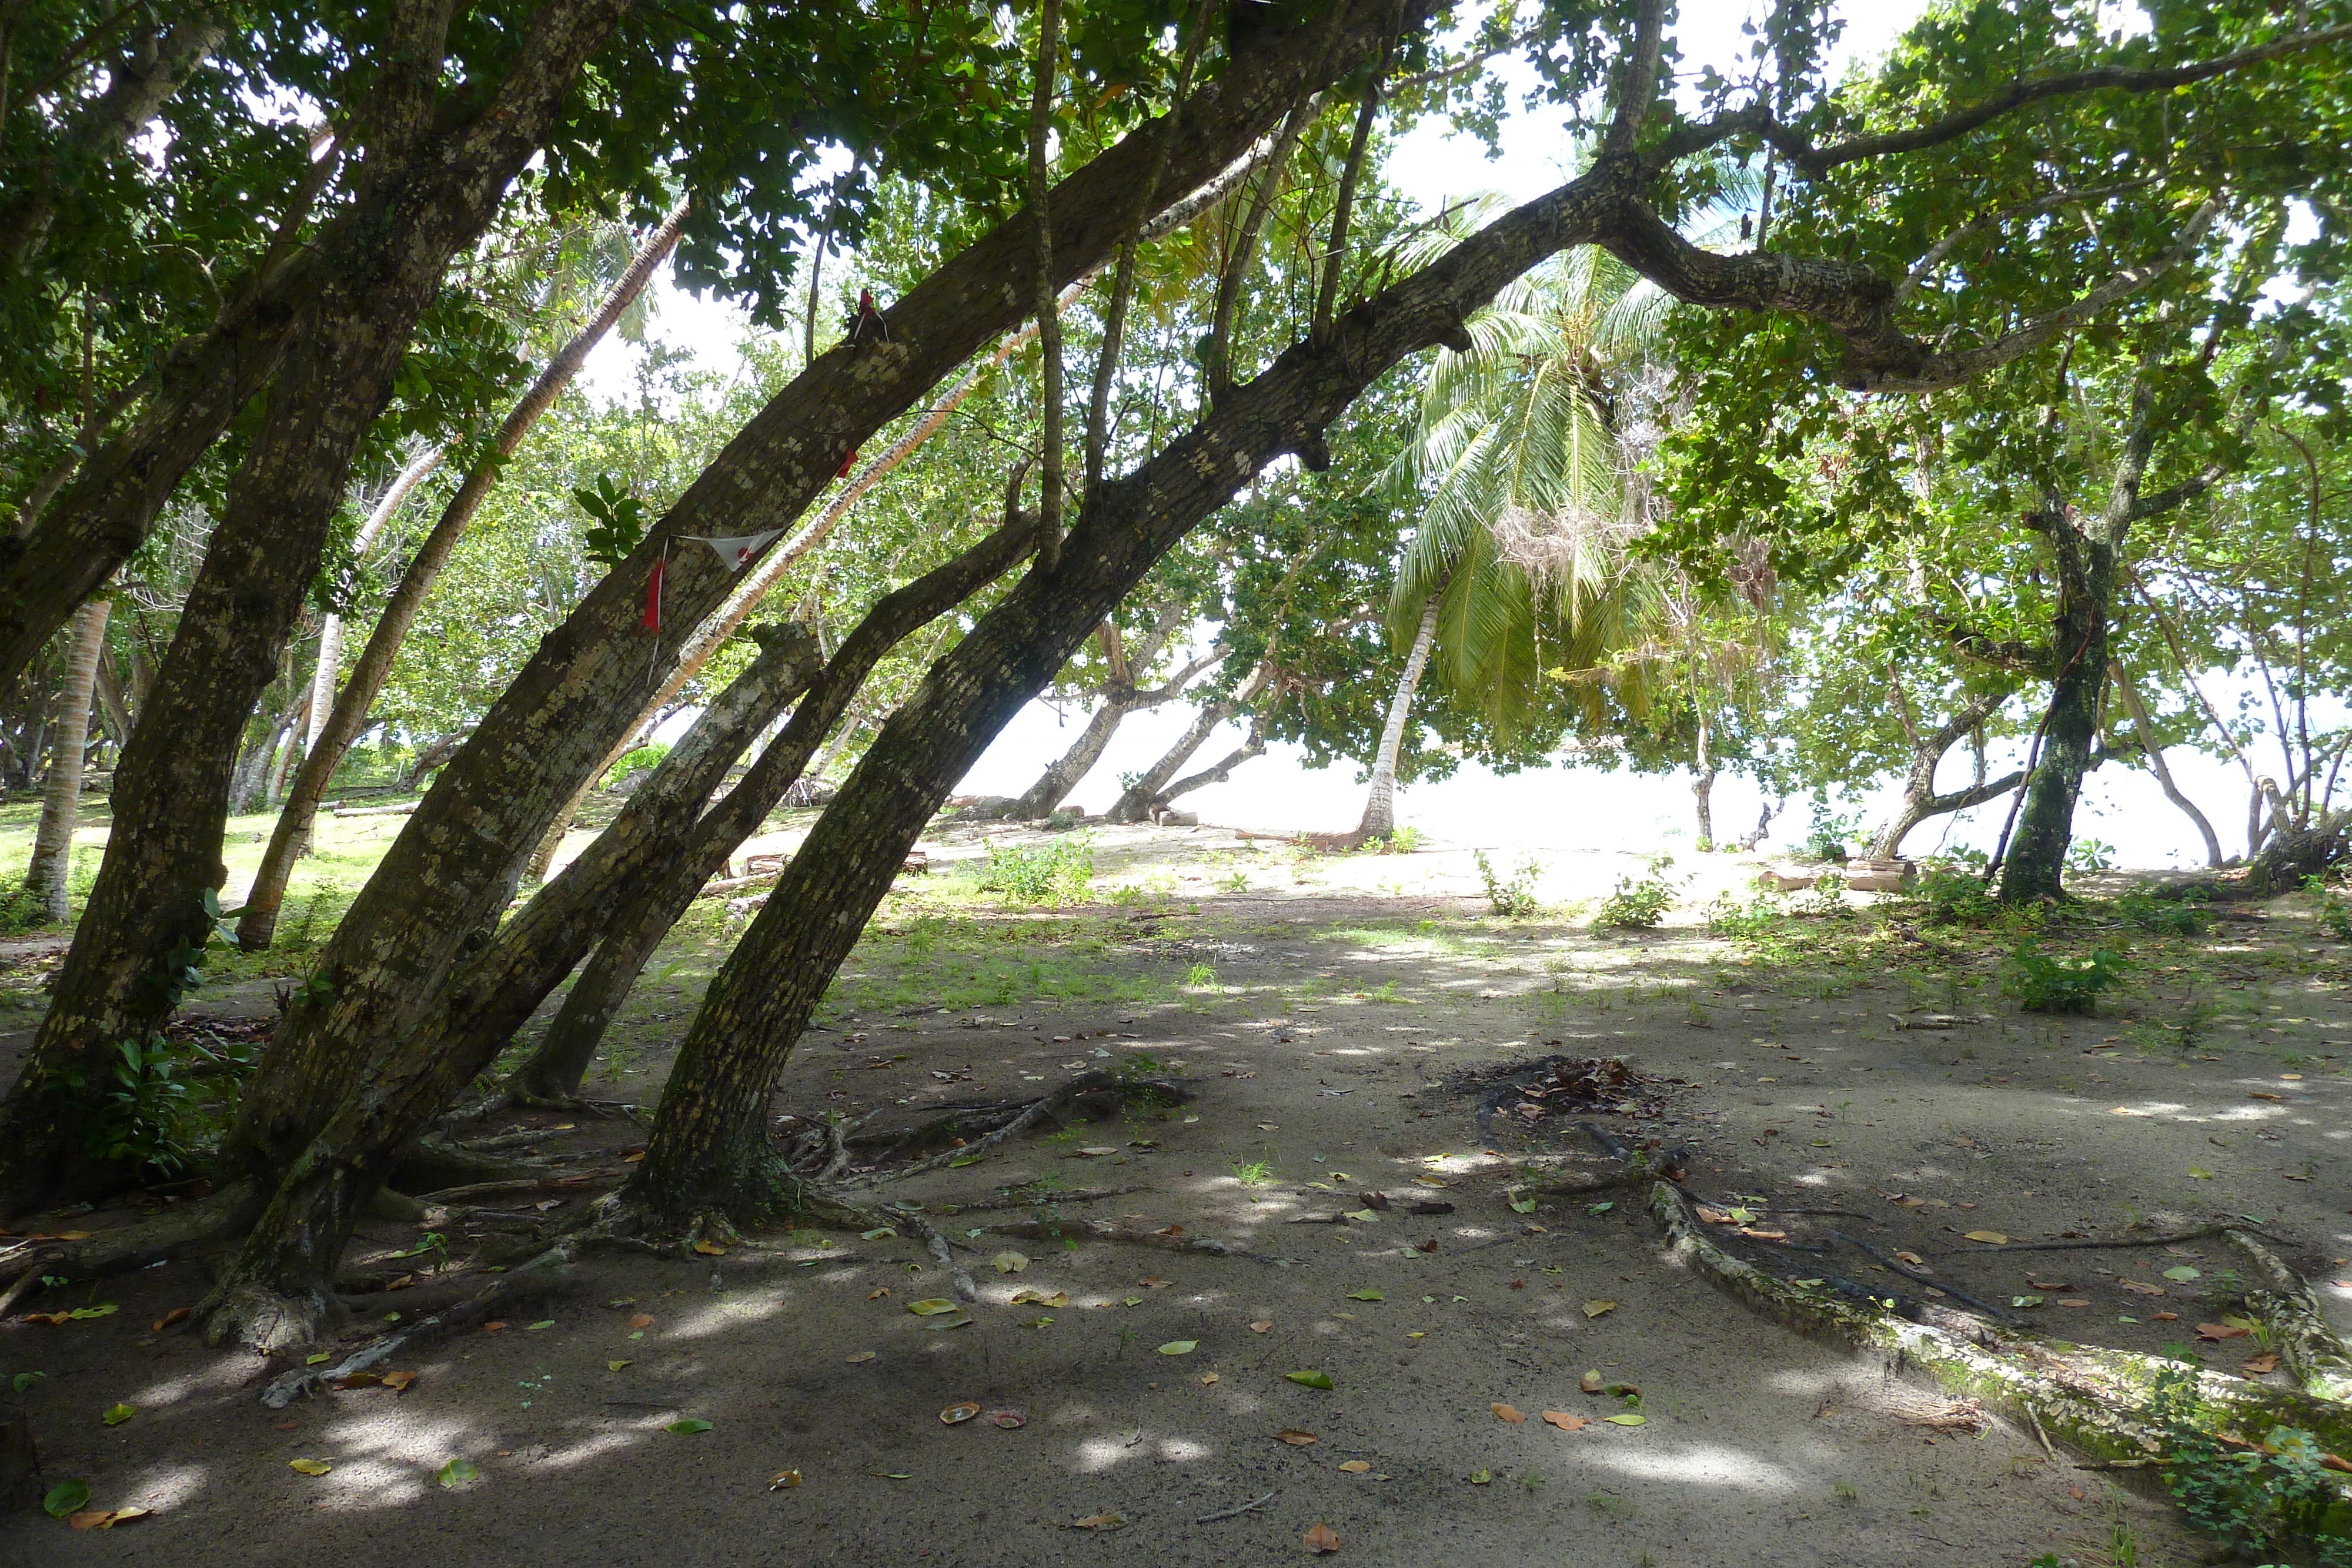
x=1627 y=1420
x=65 y=1498
x=2200 y=1173
x=1524 y=1205
x=25 y=1380
x=1179 y=1347
x=931 y=1306
x=117 y=1415
x=688 y=1427
x=2182 y=1273
x=321 y=1358
x=1309 y=1379
x=542 y=1323
x=105 y=1310
x=1366 y=1295
x=457 y=1472
x=876 y=1234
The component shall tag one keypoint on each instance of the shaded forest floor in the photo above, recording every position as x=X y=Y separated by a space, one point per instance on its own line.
x=1337 y=1024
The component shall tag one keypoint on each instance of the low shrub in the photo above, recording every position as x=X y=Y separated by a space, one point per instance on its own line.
x=1513 y=899
x=2054 y=983
x=1638 y=905
x=1051 y=873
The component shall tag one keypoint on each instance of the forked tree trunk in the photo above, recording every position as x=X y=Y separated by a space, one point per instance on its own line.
x=290 y=840
x=1064 y=773
x=656 y=850
x=170 y=794
x=709 y=1148
x=1221 y=770
x=441 y=885
x=1380 y=805
x=46 y=881
x=1929 y=748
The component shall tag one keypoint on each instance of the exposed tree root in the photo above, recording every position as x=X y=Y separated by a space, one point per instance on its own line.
x=149 y=1241
x=2096 y=1400
x=1094 y=1231
x=2281 y=1298
x=546 y=1183
x=548 y=1272
x=1012 y=1118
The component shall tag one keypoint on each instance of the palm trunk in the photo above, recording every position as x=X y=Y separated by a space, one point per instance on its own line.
x=441 y=885
x=1703 y=773
x=1380 y=806
x=47 y=880
x=290 y=840
x=2156 y=765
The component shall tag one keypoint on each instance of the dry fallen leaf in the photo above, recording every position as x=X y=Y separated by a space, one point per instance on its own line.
x=2139 y=1287
x=104 y=1519
x=1911 y=1258
x=1594 y=1309
x=1261 y=1325
x=176 y=1315
x=1591 y=1381
x=1009 y=1420
x=784 y=1481
x=310 y=1467
x=1566 y=1422
x=398 y=1382
x=1750 y=1230
x=2259 y=1366
x=2073 y=1301
x=955 y=1414
x=856 y=1356
x=1712 y=1215
x=645 y=1320
x=1507 y=1412
x=2219 y=1331
x=1010 y=1262
x=710 y=1248
x=1113 y=1520
x=1207 y=1378
x=1357 y=1467
x=1322 y=1538
x=1294 y=1438
x=1990 y=1237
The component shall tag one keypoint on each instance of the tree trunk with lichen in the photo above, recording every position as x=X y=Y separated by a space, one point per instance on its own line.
x=574 y=697
x=709 y=1150
x=48 y=880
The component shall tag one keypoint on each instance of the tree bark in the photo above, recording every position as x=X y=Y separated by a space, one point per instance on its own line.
x=1062 y=775
x=441 y=883
x=290 y=840
x=1138 y=801
x=434 y=192
x=1928 y=748
x=330 y=666
x=1380 y=805
x=47 y=880
x=1703 y=773
x=2154 y=753
x=2086 y=553
x=710 y=1146
x=656 y=845
x=1219 y=771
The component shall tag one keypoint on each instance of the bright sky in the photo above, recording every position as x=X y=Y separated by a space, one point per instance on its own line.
x=1561 y=806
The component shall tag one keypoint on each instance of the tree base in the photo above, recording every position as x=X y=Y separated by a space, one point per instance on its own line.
x=267 y=1320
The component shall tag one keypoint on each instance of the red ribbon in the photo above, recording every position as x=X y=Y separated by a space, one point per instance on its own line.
x=846 y=464
x=653 y=595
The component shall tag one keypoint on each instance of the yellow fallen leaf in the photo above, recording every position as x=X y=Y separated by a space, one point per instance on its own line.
x=398 y=1382
x=1207 y=1378
x=1357 y=1467
x=310 y=1467
x=1010 y=1262
x=931 y=1306
x=857 y=1356
x=1179 y=1347
x=710 y=1248
x=784 y=1481
x=1594 y=1309
x=1566 y=1422
x=955 y=1414
x=1294 y=1438
x=1990 y=1237
x=1322 y=1538
x=616 y=1365
x=104 y=1519
x=1110 y=1520
x=1506 y=1412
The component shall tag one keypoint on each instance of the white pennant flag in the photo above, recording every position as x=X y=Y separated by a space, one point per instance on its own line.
x=739 y=553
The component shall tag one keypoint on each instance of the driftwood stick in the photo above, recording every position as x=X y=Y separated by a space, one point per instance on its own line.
x=1250 y=1507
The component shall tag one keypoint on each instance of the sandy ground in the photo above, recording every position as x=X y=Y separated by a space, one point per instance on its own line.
x=1345 y=993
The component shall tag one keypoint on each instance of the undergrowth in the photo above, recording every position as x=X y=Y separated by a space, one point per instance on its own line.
x=1638 y=905
x=2276 y=1502
x=1052 y=874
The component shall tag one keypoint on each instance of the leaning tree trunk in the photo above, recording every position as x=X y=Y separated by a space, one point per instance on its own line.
x=1221 y=770
x=1920 y=802
x=1063 y=774
x=343 y=727
x=441 y=885
x=330 y=666
x=124 y=973
x=654 y=846
x=709 y=1147
x=47 y=879
x=1380 y=806
x=1144 y=795
x=2154 y=754
x=1703 y=775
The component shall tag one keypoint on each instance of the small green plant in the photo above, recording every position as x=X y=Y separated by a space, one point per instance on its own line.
x=2335 y=910
x=1200 y=977
x=2143 y=910
x=1947 y=894
x=1726 y=916
x=1831 y=831
x=618 y=521
x=1638 y=905
x=1829 y=896
x=2266 y=1505
x=1254 y=1173
x=1513 y=899
x=2090 y=854
x=2054 y=983
x=1050 y=873
x=1402 y=842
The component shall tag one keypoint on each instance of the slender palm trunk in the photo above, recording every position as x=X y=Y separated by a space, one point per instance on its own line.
x=344 y=725
x=69 y=740
x=1380 y=806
